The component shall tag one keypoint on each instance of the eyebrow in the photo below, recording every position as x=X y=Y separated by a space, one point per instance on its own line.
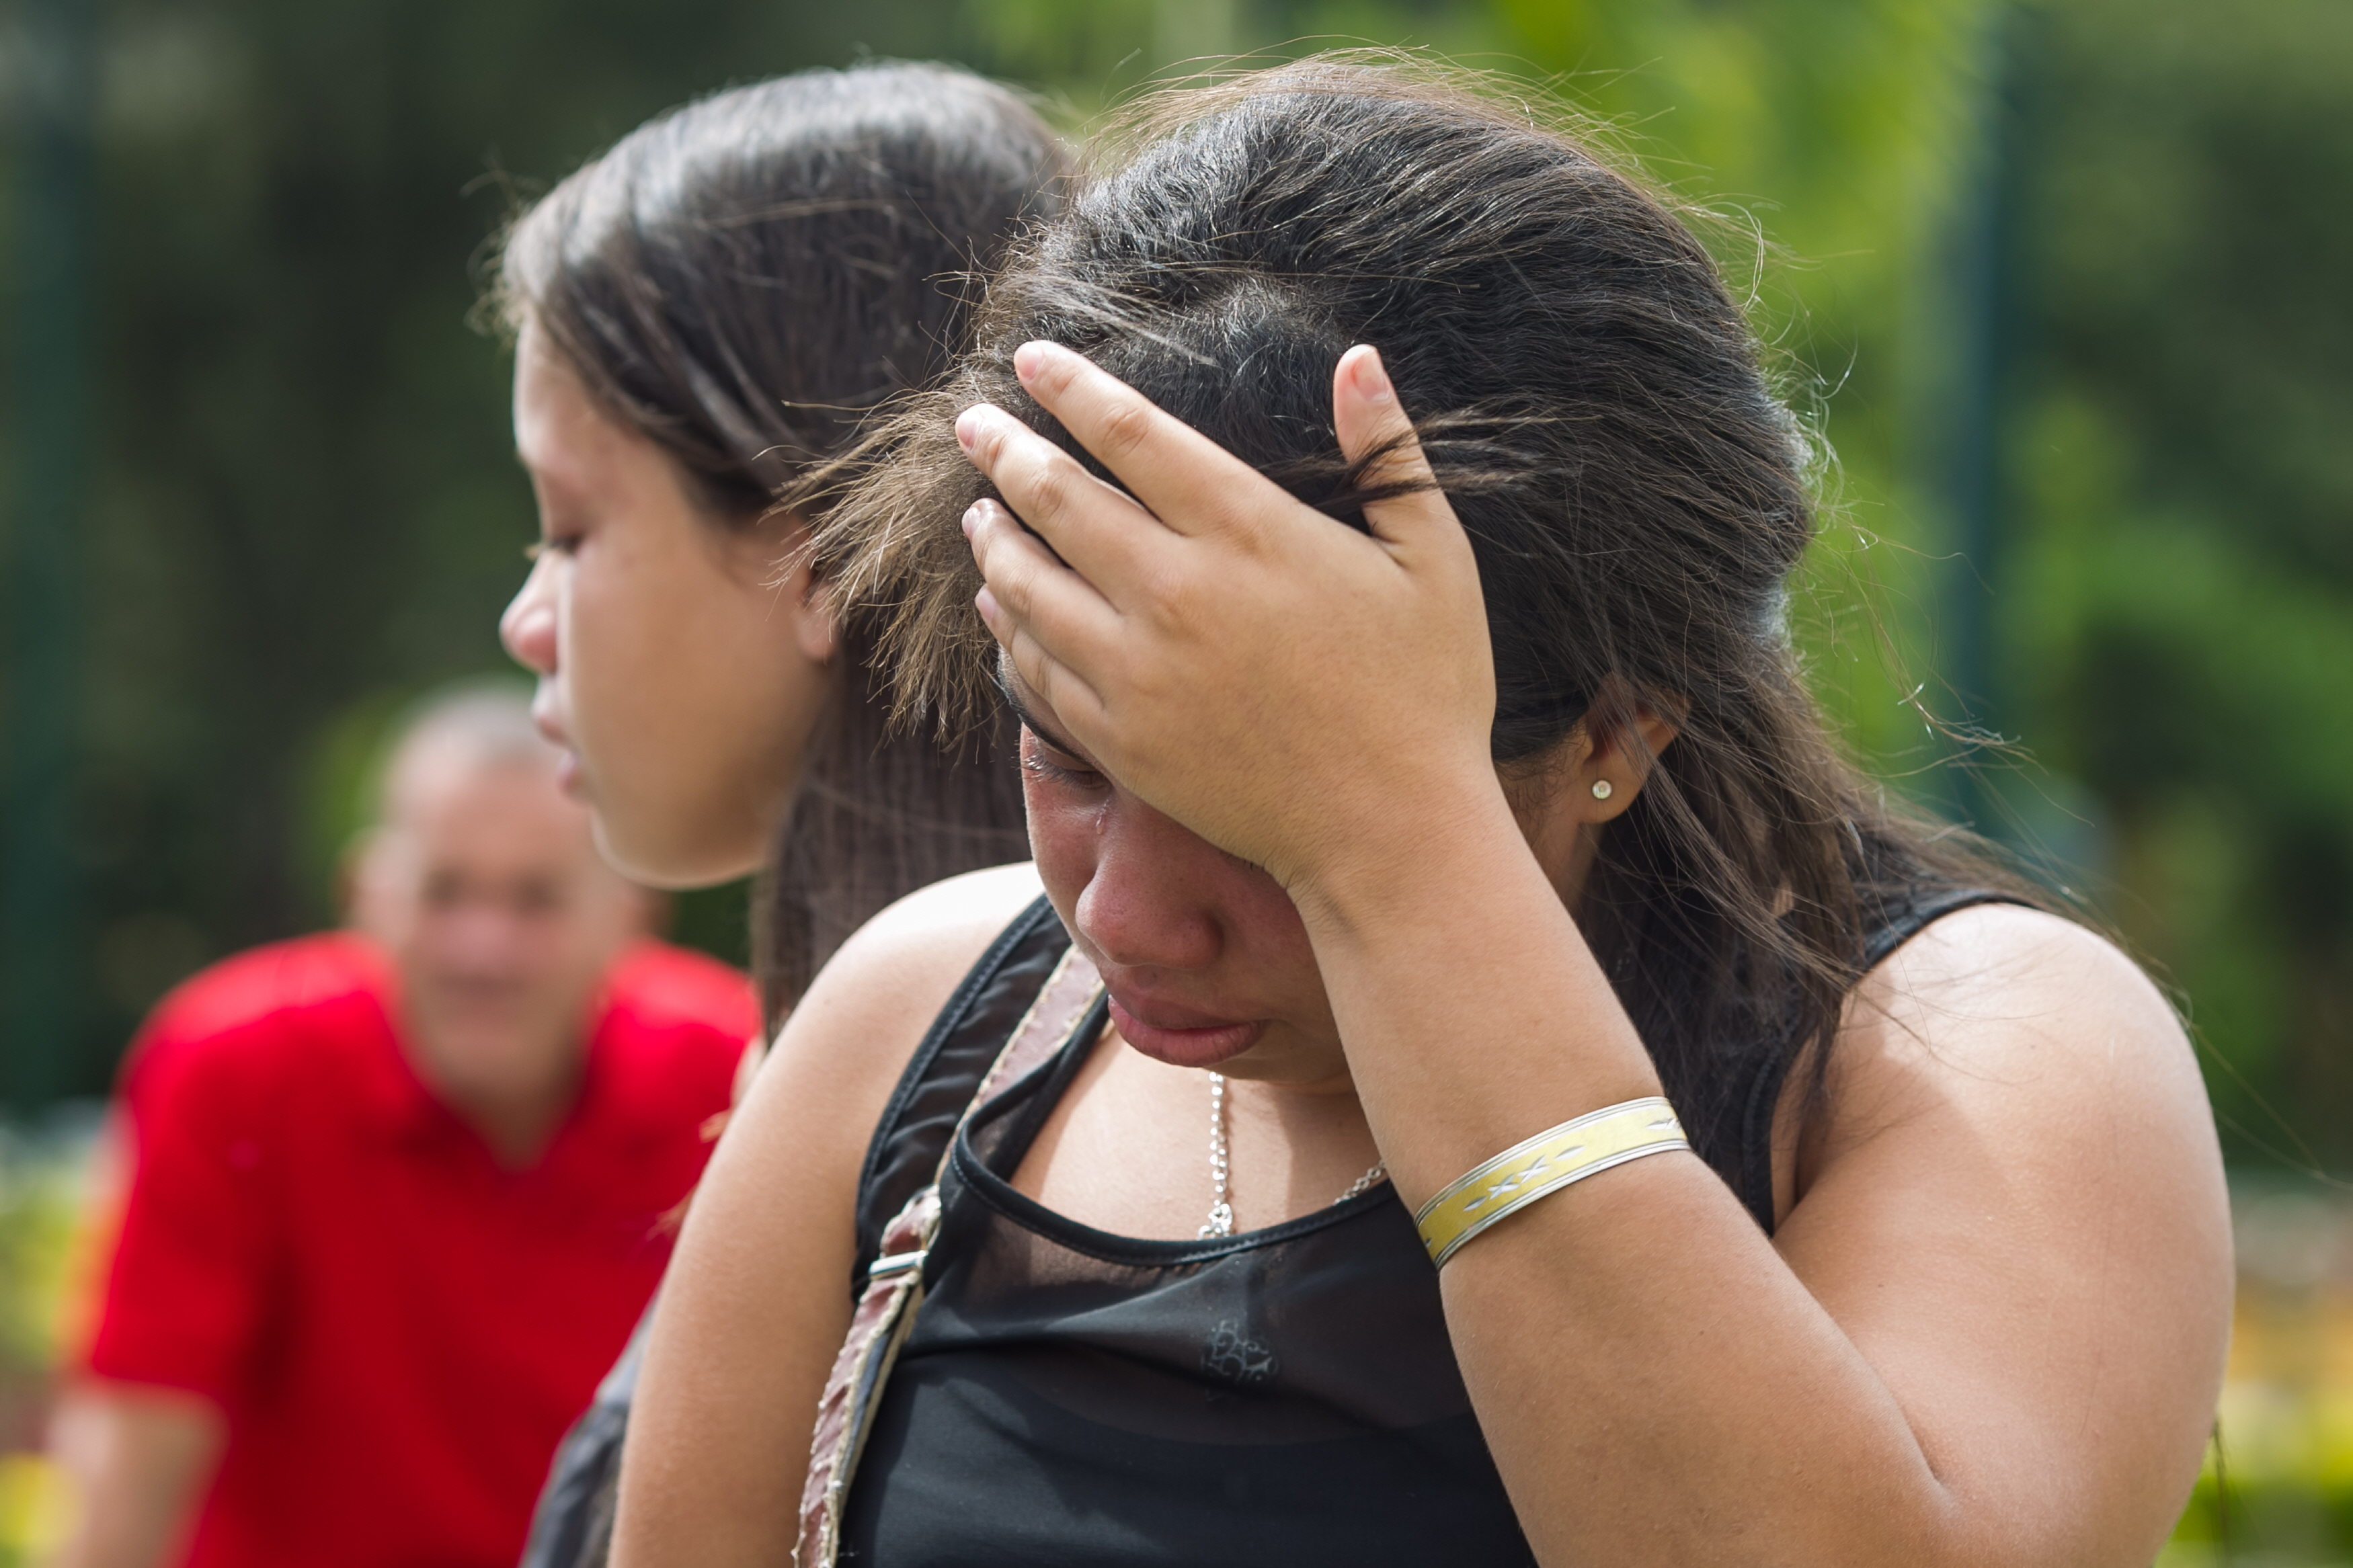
x=1029 y=721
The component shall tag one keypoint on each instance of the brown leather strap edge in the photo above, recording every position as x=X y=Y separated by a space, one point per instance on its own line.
x=886 y=1309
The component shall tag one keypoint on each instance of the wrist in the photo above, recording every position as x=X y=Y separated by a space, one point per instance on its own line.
x=1368 y=881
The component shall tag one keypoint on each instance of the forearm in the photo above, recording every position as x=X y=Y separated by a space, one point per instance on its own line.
x=139 y=1460
x=1471 y=1011
x=1658 y=1388
x=1655 y=1382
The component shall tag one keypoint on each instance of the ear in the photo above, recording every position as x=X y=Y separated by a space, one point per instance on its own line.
x=819 y=633
x=359 y=876
x=1619 y=745
x=800 y=591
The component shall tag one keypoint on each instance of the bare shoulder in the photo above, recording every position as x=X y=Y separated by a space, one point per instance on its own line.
x=900 y=966
x=867 y=1010
x=1998 y=1003
x=757 y=1297
x=2012 y=1204
x=2010 y=1051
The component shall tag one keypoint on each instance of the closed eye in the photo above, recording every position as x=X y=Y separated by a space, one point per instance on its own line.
x=1044 y=760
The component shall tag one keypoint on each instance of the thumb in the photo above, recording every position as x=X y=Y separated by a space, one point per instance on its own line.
x=1369 y=419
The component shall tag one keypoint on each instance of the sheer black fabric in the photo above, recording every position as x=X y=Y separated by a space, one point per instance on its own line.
x=1071 y=1397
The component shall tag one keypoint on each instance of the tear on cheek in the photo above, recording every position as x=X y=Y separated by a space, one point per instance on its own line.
x=1063 y=842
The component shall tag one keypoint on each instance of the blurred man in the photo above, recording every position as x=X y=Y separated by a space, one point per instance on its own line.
x=397 y=1193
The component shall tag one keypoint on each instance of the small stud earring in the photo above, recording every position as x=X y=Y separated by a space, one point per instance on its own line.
x=1601 y=790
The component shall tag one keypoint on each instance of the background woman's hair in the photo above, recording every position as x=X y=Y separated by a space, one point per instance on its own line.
x=1590 y=397
x=745 y=280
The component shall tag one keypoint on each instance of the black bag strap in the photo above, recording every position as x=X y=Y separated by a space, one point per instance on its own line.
x=912 y=1136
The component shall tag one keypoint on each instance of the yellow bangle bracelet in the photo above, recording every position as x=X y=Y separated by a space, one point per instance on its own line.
x=1542 y=1166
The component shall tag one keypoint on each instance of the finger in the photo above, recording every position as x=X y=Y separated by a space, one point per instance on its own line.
x=1368 y=418
x=1074 y=704
x=1102 y=534
x=1037 y=593
x=1190 y=483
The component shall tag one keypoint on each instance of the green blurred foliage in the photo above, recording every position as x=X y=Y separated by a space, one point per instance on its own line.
x=43 y=1182
x=304 y=512
x=2180 y=627
x=38 y=1194
x=1834 y=141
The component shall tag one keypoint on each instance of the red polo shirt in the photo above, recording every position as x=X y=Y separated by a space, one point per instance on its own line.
x=398 y=1327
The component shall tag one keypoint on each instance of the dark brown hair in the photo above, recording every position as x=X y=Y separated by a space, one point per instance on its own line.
x=1592 y=401
x=745 y=280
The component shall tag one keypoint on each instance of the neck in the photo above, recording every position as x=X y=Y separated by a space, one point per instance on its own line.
x=518 y=1119
x=1562 y=846
x=519 y=1130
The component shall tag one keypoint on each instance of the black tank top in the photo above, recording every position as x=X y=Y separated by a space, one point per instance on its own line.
x=1069 y=1398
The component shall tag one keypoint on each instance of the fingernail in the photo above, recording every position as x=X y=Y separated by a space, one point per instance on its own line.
x=985 y=603
x=1029 y=360
x=968 y=429
x=971 y=519
x=1372 y=377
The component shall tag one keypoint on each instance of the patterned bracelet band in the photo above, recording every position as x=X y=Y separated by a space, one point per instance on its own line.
x=1542 y=1166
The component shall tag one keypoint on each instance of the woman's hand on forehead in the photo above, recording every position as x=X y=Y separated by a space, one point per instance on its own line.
x=1297 y=692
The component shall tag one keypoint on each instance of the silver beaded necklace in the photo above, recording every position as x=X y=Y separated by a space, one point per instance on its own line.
x=1221 y=1210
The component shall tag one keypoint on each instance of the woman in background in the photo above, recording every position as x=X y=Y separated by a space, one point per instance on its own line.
x=700 y=316
x=1486 y=1081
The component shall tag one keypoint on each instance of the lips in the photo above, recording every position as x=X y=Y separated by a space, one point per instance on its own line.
x=1161 y=1014
x=568 y=776
x=544 y=720
x=1180 y=1035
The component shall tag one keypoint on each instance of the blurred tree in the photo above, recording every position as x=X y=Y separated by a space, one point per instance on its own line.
x=2179 y=623
x=40 y=552
x=1838 y=141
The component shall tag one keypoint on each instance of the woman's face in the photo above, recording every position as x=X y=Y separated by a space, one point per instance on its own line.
x=681 y=677
x=1204 y=955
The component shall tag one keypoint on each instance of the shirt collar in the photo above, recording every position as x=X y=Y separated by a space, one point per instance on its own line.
x=407 y=1110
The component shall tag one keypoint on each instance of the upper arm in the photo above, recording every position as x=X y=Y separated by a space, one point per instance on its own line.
x=2015 y=1210
x=756 y=1299
x=139 y=1459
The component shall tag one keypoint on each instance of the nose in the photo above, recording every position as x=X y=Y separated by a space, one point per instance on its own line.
x=1154 y=901
x=482 y=938
x=527 y=629
x=479 y=949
